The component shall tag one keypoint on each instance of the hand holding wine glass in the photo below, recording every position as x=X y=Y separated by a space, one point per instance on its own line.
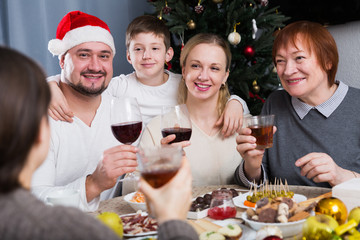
x=126 y=123
x=176 y=120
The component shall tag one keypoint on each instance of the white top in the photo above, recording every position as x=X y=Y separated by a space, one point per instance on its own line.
x=213 y=160
x=75 y=150
x=151 y=99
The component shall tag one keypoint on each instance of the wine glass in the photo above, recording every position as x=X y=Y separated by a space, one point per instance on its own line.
x=176 y=120
x=126 y=123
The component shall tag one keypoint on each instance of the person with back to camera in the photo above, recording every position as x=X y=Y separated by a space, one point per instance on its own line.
x=24 y=144
x=317 y=135
x=84 y=155
x=205 y=61
x=147 y=50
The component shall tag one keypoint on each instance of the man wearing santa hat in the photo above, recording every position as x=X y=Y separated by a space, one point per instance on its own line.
x=84 y=155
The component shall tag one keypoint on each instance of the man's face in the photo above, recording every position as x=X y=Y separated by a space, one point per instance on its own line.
x=88 y=67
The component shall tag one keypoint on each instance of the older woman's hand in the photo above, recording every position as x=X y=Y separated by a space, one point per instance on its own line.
x=321 y=168
x=171 y=201
x=252 y=156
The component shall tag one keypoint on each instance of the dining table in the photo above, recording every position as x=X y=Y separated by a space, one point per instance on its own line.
x=121 y=207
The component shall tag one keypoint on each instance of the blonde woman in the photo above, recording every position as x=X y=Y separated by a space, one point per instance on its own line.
x=205 y=62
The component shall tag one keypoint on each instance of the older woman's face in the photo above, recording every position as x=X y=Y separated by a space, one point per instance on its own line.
x=205 y=71
x=300 y=73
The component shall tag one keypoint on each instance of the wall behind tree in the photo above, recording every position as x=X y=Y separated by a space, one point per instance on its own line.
x=29 y=25
x=347 y=37
x=342 y=19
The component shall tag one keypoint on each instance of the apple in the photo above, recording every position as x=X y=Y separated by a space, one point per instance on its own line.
x=355 y=214
x=113 y=221
x=320 y=226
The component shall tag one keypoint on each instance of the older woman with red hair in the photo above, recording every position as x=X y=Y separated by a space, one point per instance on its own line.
x=317 y=141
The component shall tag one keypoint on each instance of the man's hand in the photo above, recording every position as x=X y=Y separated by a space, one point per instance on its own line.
x=116 y=161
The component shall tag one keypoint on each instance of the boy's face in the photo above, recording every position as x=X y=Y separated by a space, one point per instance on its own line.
x=147 y=54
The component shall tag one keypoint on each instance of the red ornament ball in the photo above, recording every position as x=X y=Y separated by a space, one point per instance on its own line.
x=249 y=51
x=272 y=238
x=199 y=9
x=166 y=10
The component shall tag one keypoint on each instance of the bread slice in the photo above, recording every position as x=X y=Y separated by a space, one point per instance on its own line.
x=231 y=231
x=211 y=235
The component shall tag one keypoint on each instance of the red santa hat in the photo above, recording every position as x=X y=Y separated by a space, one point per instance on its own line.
x=77 y=27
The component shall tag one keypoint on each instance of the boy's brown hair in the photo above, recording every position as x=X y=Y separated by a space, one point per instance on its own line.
x=148 y=24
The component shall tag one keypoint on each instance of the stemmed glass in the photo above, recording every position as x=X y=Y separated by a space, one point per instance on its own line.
x=176 y=120
x=126 y=122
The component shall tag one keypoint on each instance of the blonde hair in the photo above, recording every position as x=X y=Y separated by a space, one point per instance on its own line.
x=207 y=38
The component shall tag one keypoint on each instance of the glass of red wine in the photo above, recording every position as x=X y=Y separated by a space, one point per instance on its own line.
x=126 y=121
x=176 y=120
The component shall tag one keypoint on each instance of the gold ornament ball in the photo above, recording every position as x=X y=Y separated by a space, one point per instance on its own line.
x=191 y=25
x=218 y=1
x=234 y=38
x=256 y=89
x=333 y=207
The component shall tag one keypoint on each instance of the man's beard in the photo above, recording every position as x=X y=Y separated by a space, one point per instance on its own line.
x=80 y=88
x=88 y=91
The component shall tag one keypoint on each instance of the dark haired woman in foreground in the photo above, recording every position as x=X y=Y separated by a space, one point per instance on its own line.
x=24 y=143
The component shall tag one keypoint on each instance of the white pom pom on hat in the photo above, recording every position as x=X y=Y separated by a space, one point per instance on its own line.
x=77 y=27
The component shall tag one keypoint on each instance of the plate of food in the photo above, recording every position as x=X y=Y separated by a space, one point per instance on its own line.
x=138 y=224
x=243 y=202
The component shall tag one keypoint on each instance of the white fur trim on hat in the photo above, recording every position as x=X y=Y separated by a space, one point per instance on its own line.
x=81 y=35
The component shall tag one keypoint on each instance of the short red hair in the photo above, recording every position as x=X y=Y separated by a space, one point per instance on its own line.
x=318 y=40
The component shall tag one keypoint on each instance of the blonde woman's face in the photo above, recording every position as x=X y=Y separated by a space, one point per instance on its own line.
x=205 y=71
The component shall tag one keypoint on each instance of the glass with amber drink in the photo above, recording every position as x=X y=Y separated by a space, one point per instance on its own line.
x=159 y=164
x=262 y=129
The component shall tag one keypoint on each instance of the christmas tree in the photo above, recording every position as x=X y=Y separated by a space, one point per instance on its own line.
x=248 y=25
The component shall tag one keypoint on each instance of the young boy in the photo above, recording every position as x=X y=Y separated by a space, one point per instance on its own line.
x=148 y=48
